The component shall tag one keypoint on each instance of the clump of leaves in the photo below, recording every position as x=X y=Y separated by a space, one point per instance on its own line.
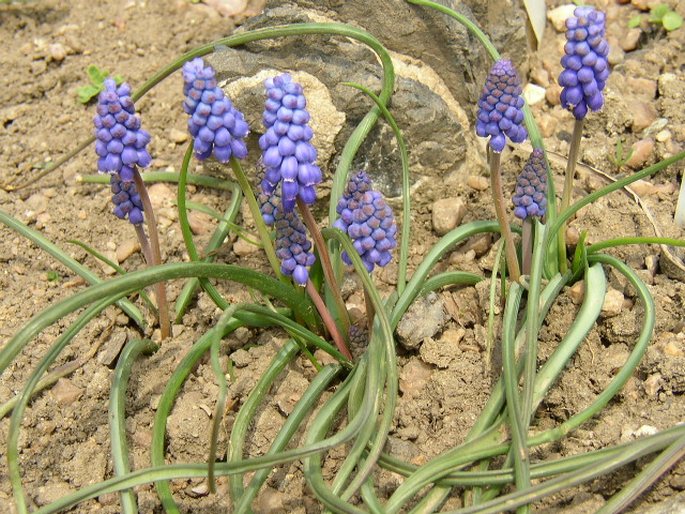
x=621 y=155
x=97 y=78
x=660 y=14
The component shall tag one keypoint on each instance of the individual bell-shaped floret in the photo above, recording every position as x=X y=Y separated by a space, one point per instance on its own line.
x=126 y=200
x=120 y=143
x=217 y=127
x=586 y=68
x=293 y=248
x=530 y=198
x=368 y=220
x=287 y=154
x=500 y=108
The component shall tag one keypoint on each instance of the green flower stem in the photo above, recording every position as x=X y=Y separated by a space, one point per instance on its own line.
x=406 y=196
x=263 y=231
x=518 y=425
x=568 y=188
x=23 y=400
x=328 y=320
x=293 y=422
x=168 y=176
x=218 y=237
x=75 y=266
x=619 y=184
x=187 y=232
x=117 y=415
x=498 y=199
x=155 y=253
x=637 y=240
x=326 y=265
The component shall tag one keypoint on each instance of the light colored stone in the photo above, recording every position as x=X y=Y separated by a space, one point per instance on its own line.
x=642 y=151
x=479 y=244
x=559 y=15
x=447 y=214
x=413 y=377
x=127 y=248
x=642 y=87
x=200 y=223
x=547 y=124
x=643 y=188
x=577 y=292
x=242 y=248
x=106 y=268
x=663 y=135
x=643 y=114
x=572 y=236
x=652 y=384
x=533 y=94
x=613 y=303
x=630 y=39
x=424 y=318
x=178 y=136
x=57 y=52
x=477 y=182
x=65 y=392
x=161 y=195
x=51 y=492
x=553 y=94
x=616 y=54
x=540 y=76
x=270 y=501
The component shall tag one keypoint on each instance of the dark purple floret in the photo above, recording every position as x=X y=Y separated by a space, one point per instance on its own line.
x=126 y=200
x=530 y=198
x=586 y=68
x=500 y=107
x=293 y=248
x=287 y=154
x=217 y=127
x=120 y=142
x=368 y=220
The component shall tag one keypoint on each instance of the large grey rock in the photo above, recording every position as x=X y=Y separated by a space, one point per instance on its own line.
x=439 y=71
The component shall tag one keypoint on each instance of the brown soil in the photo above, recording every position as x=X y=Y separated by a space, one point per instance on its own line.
x=65 y=437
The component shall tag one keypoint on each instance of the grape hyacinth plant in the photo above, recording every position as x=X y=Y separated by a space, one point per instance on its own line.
x=585 y=72
x=530 y=200
x=500 y=116
x=335 y=414
x=218 y=128
x=287 y=153
x=121 y=147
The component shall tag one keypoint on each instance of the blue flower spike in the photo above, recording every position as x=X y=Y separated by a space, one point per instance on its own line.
x=368 y=220
x=120 y=143
x=293 y=248
x=500 y=108
x=217 y=127
x=126 y=200
x=287 y=153
x=585 y=63
x=530 y=198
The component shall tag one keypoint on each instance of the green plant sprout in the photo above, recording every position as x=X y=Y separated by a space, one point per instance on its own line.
x=660 y=14
x=620 y=156
x=97 y=77
x=349 y=404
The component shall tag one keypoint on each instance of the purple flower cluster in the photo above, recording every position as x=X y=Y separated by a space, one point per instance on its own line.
x=120 y=142
x=500 y=106
x=368 y=220
x=530 y=198
x=126 y=200
x=288 y=155
x=217 y=127
x=586 y=68
x=292 y=246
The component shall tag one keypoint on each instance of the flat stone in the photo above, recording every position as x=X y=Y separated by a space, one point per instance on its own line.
x=553 y=94
x=643 y=114
x=547 y=124
x=642 y=87
x=242 y=248
x=161 y=195
x=540 y=76
x=448 y=213
x=577 y=292
x=126 y=248
x=200 y=223
x=178 y=136
x=65 y=392
x=643 y=188
x=424 y=318
x=111 y=348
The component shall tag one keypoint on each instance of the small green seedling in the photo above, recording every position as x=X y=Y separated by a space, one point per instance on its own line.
x=97 y=78
x=659 y=14
x=621 y=156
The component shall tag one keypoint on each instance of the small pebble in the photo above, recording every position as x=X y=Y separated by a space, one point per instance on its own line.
x=643 y=188
x=559 y=15
x=57 y=52
x=242 y=248
x=413 y=377
x=572 y=236
x=643 y=113
x=630 y=39
x=642 y=151
x=200 y=223
x=616 y=54
x=547 y=124
x=577 y=292
x=540 y=76
x=447 y=214
x=533 y=94
x=178 y=136
x=477 y=182
x=553 y=94
x=161 y=195
x=663 y=136
x=652 y=384
x=479 y=244
x=127 y=248
x=642 y=87
x=613 y=303
x=65 y=392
